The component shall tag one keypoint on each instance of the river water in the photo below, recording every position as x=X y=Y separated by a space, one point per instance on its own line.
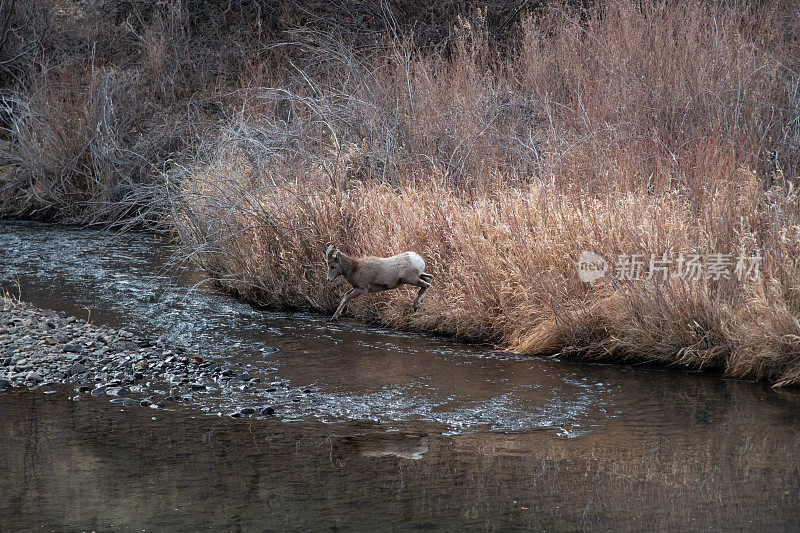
x=374 y=429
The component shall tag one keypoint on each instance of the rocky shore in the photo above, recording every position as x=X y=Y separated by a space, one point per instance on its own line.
x=40 y=347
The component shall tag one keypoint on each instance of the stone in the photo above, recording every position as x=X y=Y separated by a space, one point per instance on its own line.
x=76 y=368
x=118 y=391
x=126 y=402
x=34 y=376
x=247 y=411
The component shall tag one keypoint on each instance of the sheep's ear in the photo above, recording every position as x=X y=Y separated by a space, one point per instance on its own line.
x=335 y=255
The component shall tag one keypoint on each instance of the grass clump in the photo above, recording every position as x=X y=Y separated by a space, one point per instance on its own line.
x=625 y=129
x=499 y=144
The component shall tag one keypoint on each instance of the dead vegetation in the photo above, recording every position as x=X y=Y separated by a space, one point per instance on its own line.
x=621 y=128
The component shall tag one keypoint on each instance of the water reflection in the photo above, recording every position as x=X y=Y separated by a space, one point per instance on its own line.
x=403 y=445
x=87 y=464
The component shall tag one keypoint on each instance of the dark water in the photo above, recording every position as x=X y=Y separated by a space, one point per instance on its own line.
x=398 y=432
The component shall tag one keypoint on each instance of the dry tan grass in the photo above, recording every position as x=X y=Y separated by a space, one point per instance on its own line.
x=505 y=270
x=625 y=128
x=663 y=128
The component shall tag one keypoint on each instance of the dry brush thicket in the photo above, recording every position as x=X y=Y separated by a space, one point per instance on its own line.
x=631 y=128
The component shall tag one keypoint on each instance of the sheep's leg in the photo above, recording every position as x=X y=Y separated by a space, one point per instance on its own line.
x=352 y=293
x=424 y=286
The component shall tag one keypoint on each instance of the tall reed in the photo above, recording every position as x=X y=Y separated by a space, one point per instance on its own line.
x=652 y=129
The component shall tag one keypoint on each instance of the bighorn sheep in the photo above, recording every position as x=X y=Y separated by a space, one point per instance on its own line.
x=375 y=274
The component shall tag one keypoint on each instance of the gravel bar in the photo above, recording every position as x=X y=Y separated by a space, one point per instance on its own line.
x=41 y=347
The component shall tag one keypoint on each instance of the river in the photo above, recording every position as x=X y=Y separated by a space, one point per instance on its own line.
x=373 y=429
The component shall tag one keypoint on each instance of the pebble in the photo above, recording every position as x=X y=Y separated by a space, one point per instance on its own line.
x=34 y=376
x=126 y=402
x=42 y=347
x=76 y=368
x=118 y=391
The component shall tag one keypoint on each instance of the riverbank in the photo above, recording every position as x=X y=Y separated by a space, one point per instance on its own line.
x=40 y=347
x=502 y=150
x=386 y=410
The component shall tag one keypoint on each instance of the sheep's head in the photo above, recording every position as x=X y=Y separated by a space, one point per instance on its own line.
x=334 y=265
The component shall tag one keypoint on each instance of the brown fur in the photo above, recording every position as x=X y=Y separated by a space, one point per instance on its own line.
x=375 y=274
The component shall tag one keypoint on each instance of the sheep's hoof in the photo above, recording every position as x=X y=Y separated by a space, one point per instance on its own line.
x=414 y=307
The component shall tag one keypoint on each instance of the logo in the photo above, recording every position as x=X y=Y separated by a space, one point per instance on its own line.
x=591 y=266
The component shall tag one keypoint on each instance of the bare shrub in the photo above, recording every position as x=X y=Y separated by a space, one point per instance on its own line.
x=498 y=142
x=628 y=128
x=72 y=148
